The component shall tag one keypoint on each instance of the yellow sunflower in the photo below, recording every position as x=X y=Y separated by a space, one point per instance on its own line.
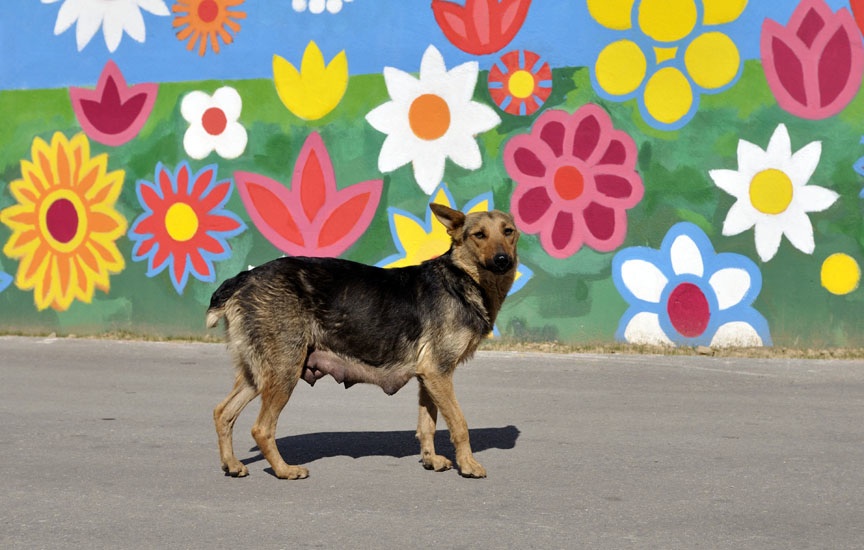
x=64 y=225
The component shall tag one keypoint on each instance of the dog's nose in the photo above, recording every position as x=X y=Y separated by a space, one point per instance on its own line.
x=502 y=261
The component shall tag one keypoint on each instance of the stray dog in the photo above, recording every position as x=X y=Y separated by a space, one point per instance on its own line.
x=295 y=318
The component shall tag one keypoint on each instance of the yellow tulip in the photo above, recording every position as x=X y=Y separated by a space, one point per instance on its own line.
x=317 y=88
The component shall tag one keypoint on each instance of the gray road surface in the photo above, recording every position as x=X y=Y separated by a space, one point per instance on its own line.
x=108 y=444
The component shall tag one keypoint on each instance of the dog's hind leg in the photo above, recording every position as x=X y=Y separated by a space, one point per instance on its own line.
x=426 y=424
x=440 y=388
x=224 y=416
x=274 y=396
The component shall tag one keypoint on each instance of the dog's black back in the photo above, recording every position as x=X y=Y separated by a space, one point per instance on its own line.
x=373 y=315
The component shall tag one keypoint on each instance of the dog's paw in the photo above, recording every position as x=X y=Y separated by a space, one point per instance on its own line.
x=437 y=463
x=291 y=472
x=235 y=470
x=471 y=468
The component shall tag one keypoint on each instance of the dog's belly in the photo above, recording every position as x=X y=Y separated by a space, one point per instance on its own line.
x=321 y=363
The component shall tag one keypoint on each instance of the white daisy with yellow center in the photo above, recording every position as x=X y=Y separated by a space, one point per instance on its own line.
x=772 y=193
x=430 y=119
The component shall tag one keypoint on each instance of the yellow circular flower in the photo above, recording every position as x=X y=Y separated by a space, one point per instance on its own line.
x=840 y=274
x=621 y=67
x=667 y=20
x=668 y=95
x=712 y=60
x=64 y=224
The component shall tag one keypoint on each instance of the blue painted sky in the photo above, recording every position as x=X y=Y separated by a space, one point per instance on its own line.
x=373 y=33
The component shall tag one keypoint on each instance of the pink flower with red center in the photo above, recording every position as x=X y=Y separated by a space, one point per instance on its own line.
x=815 y=63
x=185 y=227
x=312 y=217
x=575 y=179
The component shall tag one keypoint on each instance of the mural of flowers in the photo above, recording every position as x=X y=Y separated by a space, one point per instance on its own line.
x=312 y=218
x=431 y=119
x=185 y=227
x=480 y=27
x=115 y=18
x=815 y=63
x=772 y=194
x=418 y=240
x=113 y=113
x=204 y=22
x=520 y=82
x=669 y=56
x=575 y=179
x=686 y=294
x=64 y=224
x=213 y=124
x=315 y=90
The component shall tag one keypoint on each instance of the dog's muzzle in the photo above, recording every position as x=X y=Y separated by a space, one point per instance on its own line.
x=501 y=263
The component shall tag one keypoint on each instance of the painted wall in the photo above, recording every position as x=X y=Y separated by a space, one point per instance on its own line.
x=683 y=171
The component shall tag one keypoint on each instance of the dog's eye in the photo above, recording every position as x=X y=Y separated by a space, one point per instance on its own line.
x=480 y=235
x=508 y=231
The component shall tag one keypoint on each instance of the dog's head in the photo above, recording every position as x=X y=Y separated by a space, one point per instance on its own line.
x=487 y=239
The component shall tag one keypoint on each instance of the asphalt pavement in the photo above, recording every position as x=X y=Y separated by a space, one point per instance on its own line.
x=110 y=444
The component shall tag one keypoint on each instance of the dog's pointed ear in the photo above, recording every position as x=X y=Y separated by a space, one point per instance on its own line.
x=453 y=220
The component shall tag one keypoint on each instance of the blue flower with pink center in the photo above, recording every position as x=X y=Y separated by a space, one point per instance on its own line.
x=686 y=294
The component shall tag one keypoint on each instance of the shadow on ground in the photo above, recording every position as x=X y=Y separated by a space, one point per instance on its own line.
x=305 y=448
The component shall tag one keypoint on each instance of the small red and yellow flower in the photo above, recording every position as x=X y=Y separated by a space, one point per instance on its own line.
x=203 y=21
x=520 y=82
x=64 y=224
x=185 y=226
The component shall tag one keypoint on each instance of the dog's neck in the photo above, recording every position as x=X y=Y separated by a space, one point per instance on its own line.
x=494 y=286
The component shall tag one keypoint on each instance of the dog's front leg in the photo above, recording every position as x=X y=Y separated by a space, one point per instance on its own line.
x=440 y=388
x=426 y=424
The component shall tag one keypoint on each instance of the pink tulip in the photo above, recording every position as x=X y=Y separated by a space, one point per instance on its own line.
x=814 y=64
x=312 y=218
x=113 y=113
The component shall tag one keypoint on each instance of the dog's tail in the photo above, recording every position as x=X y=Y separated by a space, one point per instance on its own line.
x=220 y=298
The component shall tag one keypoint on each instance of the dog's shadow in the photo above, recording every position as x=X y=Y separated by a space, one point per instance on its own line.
x=305 y=448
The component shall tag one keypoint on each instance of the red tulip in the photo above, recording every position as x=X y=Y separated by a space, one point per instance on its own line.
x=312 y=218
x=113 y=113
x=480 y=26
x=814 y=64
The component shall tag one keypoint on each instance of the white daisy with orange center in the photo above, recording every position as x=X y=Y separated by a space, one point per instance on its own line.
x=430 y=119
x=213 y=124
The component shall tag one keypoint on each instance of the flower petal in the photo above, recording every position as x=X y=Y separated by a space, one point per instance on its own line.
x=813 y=198
x=644 y=280
x=644 y=328
x=767 y=237
x=736 y=334
x=730 y=285
x=686 y=257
